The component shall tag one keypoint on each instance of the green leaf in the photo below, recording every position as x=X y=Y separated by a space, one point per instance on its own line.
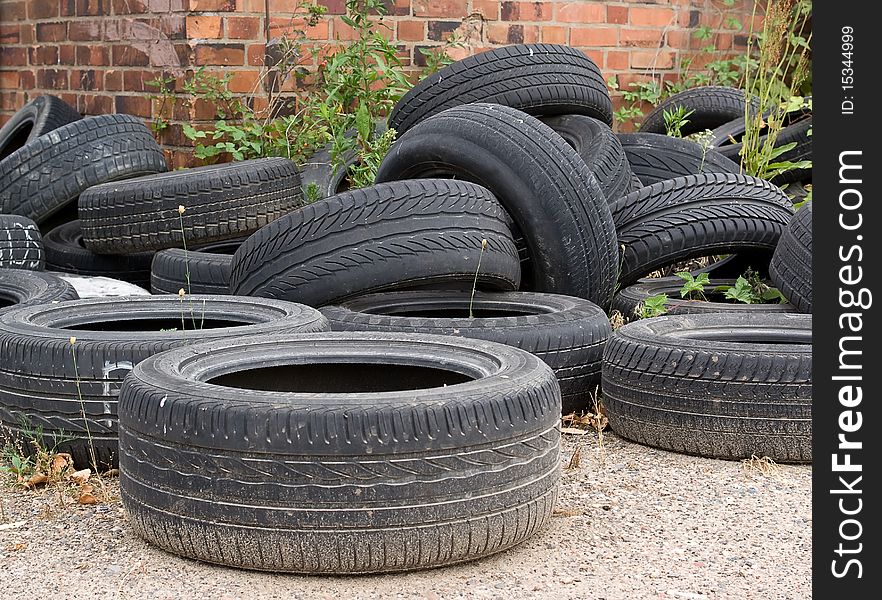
x=741 y=291
x=363 y=121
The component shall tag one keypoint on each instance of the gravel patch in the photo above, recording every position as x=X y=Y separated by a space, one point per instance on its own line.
x=632 y=523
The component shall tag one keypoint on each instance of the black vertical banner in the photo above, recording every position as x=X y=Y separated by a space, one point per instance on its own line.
x=847 y=253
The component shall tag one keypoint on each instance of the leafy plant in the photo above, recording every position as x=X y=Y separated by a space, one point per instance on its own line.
x=654 y=306
x=693 y=286
x=438 y=57
x=675 y=120
x=751 y=289
x=312 y=192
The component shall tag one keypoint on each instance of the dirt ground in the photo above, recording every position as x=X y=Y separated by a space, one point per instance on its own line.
x=632 y=523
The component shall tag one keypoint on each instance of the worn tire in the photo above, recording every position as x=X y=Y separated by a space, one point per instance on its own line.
x=67 y=253
x=379 y=468
x=629 y=300
x=561 y=219
x=26 y=288
x=221 y=202
x=601 y=150
x=720 y=385
x=539 y=79
x=791 y=268
x=40 y=384
x=46 y=175
x=653 y=157
x=797 y=133
x=209 y=269
x=40 y=115
x=567 y=333
x=695 y=216
x=21 y=245
x=712 y=107
x=319 y=171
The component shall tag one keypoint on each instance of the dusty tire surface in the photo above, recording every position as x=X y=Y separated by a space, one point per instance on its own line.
x=67 y=253
x=567 y=333
x=561 y=219
x=539 y=79
x=25 y=288
x=38 y=377
x=717 y=385
x=791 y=268
x=48 y=174
x=40 y=115
x=220 y=202
x=21 y=245
x=398 y=235
x=384 y=469
x=695 y=216
x=711 y=106
x=203 y=270
x=654 y=157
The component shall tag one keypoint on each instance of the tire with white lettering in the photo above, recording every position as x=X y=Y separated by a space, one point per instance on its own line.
x=339 y=453
x=720 y=385
x=21 y=245
x=49 y=383
x=791 y=268
x=25 y=288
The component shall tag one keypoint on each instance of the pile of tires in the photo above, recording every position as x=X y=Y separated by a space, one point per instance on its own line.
x=374 y=380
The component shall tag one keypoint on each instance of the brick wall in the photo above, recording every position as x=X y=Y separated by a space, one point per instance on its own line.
x=98 y=54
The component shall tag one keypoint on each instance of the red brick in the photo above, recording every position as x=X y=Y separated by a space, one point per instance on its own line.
x=617 y=60
x=113 y=81
x=84 y=31
x=28 y=80
x=616 y=15
x=440 y=30
x=93 y=56
x=440 y=8
x=129 y=56
x=256 y=54
x=724 y=41
x=129 y=7
x=526 y=11
x=244 y=82
x=220 y=54
x=204 y=27
x=91 y=104
x=679 y=39
x=213 y=5
x=488 y=8
x=642 y=38
x=86 y=8
x=43 y=55
x=335 y=7
x=134 y=81
x=27 y=33
x=67 y=55
x=497 y=33
x=11 y=100
x=553 y=34
x=174 y=27
x=594 y=36
x=42 y=9
x=652 y=60
x=86 y=79
x=581 y=12
x=133 y=105
x=10 y=56
x=651 y=16
x=14 y=11
x=342 y=31
x=411 y=31
x=9 y=34
x=51 y=32
x=9 y=80
x=242 y=28
x=596 y=56
x=52 y=79
x=398 y=8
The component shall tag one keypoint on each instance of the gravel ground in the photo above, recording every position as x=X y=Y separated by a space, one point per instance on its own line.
x=632 y=523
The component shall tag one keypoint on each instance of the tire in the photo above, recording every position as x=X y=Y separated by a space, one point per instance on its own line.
x=798 y=133
x=601 y=150
x=319 y=171
x=539 y=79
x=46 y=175
x=26 y=288
x=400 y=235
x=339 y=476
x=720 y=385
x=567 y=333
x=204 y=270
x=791 y=268
x=560 y=216
x=655 y=157
x=711 y=106
x=695 y=216
x=21 y=245
x=39 y=383
x=67 y=253
x=796 y=191
x=221 y=202
x=40 y=115
x=629 y=300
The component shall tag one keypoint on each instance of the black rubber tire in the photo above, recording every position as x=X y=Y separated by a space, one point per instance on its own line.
x=629 y=300
x=712 y=106
x=695 y=216
x=797 y=191
x=209 y=269
x=39 y=383
x=221 y=202
x=655 y=157
x=798 y=133
x=601 y=150
x=319 y=171
x=67 y=253
x=561 y=219
x=399 y=235
x=25 y=288
x=40 y=115
x=340 y=477
x=46 y=175
x=721 y=385
x=21 y=245
x=567 y=333
x=791 y=268
x=539 y=79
